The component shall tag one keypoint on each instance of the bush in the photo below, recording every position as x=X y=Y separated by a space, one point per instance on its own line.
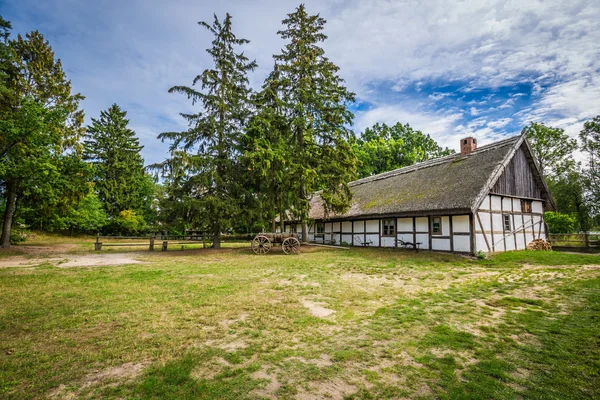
x=560 y=223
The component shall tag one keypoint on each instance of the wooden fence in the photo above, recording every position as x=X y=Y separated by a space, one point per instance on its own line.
x=163 y=240
x=576 y=241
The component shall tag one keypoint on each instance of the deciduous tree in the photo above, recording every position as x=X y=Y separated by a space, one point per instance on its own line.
x=383 y=148
x=40 y=122
x=553 y=148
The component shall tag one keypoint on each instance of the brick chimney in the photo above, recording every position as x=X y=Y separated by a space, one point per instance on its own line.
x=467 y=146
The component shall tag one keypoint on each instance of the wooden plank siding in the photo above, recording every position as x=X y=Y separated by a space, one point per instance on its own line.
x=518 y=178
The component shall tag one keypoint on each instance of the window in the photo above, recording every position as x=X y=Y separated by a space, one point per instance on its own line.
x=436 y=225
x=506 y=219
x=526 y=206
x=389 y=227
x=320 y=227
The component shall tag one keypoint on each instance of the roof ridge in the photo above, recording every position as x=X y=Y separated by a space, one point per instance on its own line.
x=430 y=163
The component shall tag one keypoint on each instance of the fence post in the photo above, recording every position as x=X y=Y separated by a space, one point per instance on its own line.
x=151 y=243
x=98 y=244
x=587 y=240
x=164 y=245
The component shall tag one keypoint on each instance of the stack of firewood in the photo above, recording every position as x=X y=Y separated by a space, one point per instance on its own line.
x=539 y=244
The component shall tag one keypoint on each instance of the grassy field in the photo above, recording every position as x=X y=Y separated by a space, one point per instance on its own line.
x=328 y=323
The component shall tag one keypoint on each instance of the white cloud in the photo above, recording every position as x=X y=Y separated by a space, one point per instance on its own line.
x=132 y=51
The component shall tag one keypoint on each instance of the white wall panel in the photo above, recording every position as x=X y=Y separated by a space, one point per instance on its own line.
x=388 y=242
x=424 y=239
x=537 y=207
x=374 y=239
x=347 y=226
x=328 y=226
x=440 y=244
x=405 y=225
x=359 y=226
x=497 y=223
x=407 y=237
x=373 y=225
x=496 y=202
x=484 y=217
x=462 y=243
x=516 y=204
x=422 y=224
x=460 y=223
x=346 y=238
x=506 y=204
x=336 y=237
x=510 y=243
x=485 y=205
x=445 y=226
x=480 y=243
x=357 y=239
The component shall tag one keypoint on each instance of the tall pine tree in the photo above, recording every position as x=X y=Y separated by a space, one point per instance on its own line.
x=312 y=99
x=120 y=180
x=204 y=158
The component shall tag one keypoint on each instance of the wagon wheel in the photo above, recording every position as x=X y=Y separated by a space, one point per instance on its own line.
x=291 y=245
x=261 y=244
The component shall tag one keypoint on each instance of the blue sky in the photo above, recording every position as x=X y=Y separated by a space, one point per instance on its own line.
x=448 y=68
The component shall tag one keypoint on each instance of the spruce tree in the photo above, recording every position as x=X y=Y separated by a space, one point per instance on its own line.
x=204 y=158
x=313 y=101
x=114 y=150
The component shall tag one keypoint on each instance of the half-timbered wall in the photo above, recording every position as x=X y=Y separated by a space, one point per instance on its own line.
x=455 y=235
x=491 y=233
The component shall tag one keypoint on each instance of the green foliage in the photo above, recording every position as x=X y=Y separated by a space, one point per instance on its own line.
x=553 y=148
x=481 y=255
x=590 y=138
x=129 y=221
x=569 y=190
x=89 y=215
x=40 y=123
x=560 y=223
x=119 y=177
x=203 y=173
x=299 y=140
x=384 y=148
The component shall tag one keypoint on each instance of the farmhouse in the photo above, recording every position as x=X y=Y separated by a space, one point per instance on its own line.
x=489 y=199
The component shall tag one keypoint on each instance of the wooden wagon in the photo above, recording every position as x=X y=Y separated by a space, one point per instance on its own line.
x=262 y=243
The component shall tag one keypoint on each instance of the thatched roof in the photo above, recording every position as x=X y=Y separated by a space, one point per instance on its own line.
x=451 y=184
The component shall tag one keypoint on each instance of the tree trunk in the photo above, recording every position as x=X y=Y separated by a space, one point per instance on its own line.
x=11 y=197
x=304 y=232
x=217 y=237
x=273 y=225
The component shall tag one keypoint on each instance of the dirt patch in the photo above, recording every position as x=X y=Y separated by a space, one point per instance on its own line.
x=316 y=309
x=336 y=389
x=71 y=260
x=112 y=376
x=100 y=260
x=267 y=374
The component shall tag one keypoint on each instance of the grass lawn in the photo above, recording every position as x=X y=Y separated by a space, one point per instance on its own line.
x=358 y=323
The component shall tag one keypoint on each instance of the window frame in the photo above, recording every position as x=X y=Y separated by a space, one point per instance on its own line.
x=441 y=229
x=392 y=226
x=526 y=206
x=507 y=218
x=320 y=225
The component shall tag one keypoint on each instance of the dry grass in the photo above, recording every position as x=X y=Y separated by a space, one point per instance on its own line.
x=359 y=323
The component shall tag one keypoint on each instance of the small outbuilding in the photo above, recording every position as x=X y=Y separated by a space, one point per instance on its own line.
x=490 y=198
